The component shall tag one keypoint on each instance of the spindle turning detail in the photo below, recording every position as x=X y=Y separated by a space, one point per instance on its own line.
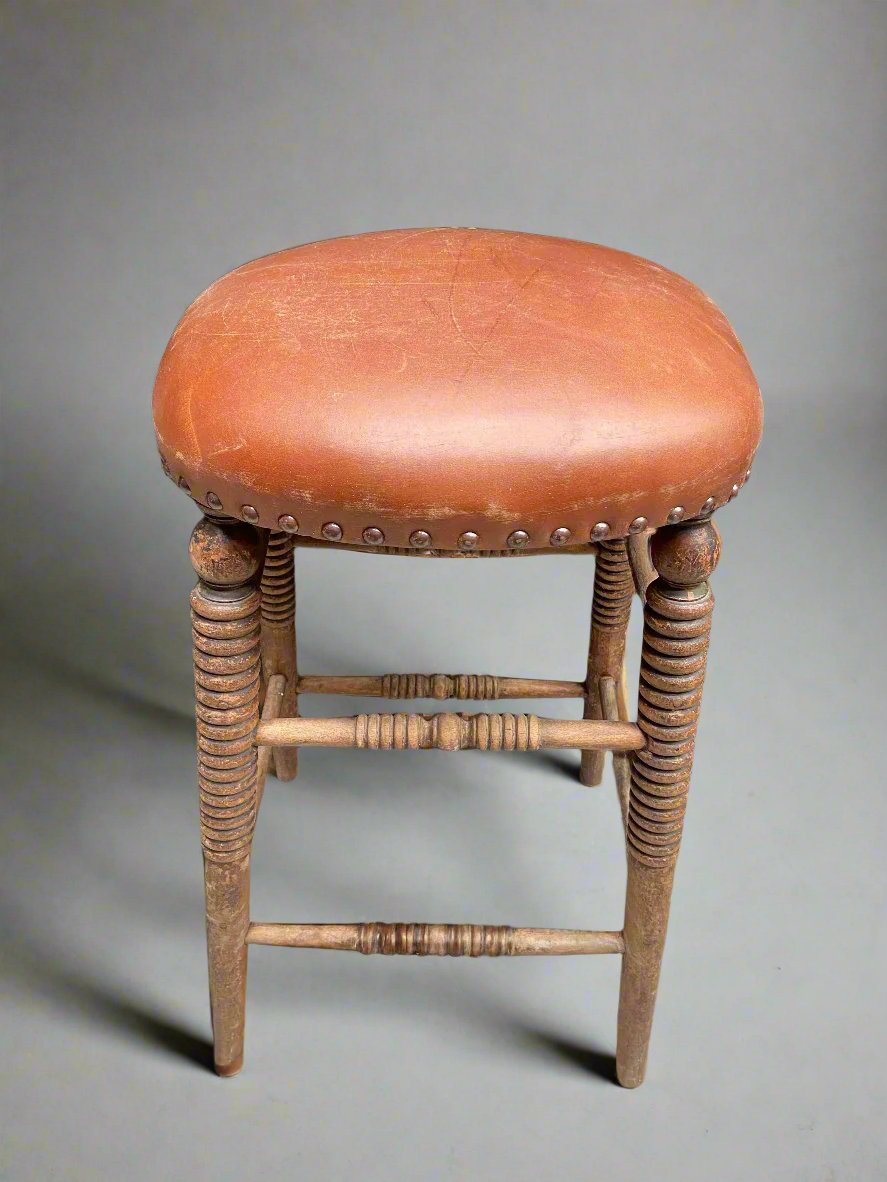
x=610 y=609
x=451 y=732
x=279 y=636
x=435 y=939
x=226 y=631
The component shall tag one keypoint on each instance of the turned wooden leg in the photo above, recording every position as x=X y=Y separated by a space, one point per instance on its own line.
x=225 y=613
x=677 y=620
x=610 y=609
x=279 y=637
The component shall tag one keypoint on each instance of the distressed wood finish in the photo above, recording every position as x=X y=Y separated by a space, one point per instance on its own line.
x=435 y=939
x=244 y=644
x=450 y=732
x=677 y=620
x=225 y=612
x=279 y=636
x=274 y=694
x=621 y=765
x=610 y=610
x=622 y=694
x=477 y=687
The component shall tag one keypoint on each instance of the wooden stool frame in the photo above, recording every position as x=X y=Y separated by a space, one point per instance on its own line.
x=248 y=686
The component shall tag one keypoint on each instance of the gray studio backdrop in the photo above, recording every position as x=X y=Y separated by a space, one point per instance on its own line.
x=152 y=147
x=147 y=149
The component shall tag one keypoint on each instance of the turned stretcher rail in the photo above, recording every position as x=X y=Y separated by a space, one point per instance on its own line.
x=436 y=939
x=441 y=686
x=451 y=732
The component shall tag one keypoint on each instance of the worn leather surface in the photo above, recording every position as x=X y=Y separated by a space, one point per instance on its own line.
x=451 y=380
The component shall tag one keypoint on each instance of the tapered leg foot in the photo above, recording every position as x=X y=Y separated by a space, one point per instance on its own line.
x=677 y=621
x=646 y=919
x=225 y=1070
x=227 y=921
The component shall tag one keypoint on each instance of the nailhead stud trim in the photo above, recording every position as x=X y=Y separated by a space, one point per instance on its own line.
x=420 y=539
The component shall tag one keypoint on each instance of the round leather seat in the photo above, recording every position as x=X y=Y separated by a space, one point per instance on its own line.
x=456 y=388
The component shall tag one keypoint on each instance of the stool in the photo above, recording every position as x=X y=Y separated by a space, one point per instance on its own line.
x=452 y=393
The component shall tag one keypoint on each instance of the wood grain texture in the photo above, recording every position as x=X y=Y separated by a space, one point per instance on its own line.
x=610 y=611
x=677 y=621
x=622 y=694
x=450 y=732
x=621 y=764
x=274 y=695
x=435 y=939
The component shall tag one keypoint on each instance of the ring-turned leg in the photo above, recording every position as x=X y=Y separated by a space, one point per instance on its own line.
x=677 y=620
x=279 y=637
x=225 y=613
x=610 y=609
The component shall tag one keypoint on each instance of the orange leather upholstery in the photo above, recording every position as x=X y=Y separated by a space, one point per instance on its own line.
x=456 y=388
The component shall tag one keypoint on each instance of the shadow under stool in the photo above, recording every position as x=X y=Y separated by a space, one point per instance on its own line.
x=448 y=393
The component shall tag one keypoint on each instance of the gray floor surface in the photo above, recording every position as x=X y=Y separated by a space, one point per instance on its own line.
x=769 y=1045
